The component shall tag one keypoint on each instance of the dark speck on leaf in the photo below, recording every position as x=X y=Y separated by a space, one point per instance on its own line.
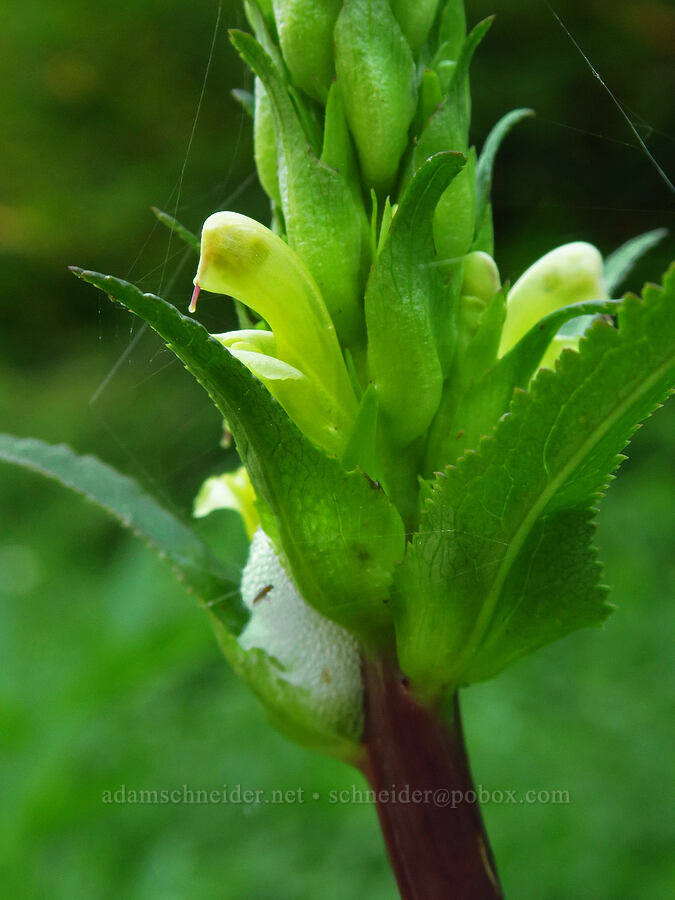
x=262 y=594
x=361 y=552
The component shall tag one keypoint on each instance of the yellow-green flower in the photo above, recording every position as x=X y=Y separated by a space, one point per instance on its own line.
x=299 y=358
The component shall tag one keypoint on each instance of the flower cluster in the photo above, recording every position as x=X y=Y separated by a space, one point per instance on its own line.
x=380 y=321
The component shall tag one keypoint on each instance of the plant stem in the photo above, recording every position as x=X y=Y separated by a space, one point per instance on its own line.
x=417 y=767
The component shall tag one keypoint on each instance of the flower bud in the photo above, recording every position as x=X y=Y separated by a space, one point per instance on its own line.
x=376 y=69
x=481 y=276
x=415 y=19
x=305 y=29
x=255 y=339
x=230 y=491
x=569 y=274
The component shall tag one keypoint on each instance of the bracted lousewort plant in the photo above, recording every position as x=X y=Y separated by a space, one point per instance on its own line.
x=423 y=446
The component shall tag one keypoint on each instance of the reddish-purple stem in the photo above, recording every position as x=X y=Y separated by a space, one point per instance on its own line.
x=417 y=767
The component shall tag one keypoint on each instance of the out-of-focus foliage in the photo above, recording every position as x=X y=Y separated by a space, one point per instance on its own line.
x=110 y=673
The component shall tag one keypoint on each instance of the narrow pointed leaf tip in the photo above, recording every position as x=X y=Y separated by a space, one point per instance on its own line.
x=213 y=581
x=172 y=223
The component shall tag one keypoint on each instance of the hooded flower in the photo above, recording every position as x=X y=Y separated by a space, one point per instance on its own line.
x=299 y=358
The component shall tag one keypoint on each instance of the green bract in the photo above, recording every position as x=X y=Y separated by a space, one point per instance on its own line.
x=423 y=446
x=376 y=73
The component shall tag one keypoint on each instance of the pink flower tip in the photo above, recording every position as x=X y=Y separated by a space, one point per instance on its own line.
x=193 y=302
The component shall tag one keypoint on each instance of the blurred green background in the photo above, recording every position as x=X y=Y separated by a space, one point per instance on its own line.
x=110 y=675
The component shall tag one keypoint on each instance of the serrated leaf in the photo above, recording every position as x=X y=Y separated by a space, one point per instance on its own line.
x=214 y=582
x=471 y=409
x=341 y=536
x=503 y=562
x=619 y=264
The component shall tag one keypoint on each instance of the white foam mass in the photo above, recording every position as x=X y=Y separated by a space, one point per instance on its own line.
x=315 y=653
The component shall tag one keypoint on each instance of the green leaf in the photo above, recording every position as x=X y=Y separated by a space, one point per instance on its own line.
x=480 y=392
x=619 y=265
x=481 y=348
x=405 y=288
x=338 y=150
x=265 y=143
x=361 y=449
x=486 y=163
x=324 y=224
x=503 y=563
x=448 y=127
x=452 y=28
x=215 y=583
x=485 y=402
x=521 y=362
x=305 y=669
x=430 y=97
x=262 y=22
x=341 y=535
x=174 y=225
x=455 y=217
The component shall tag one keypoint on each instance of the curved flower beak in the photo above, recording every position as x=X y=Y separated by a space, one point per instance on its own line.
x=300 y=359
